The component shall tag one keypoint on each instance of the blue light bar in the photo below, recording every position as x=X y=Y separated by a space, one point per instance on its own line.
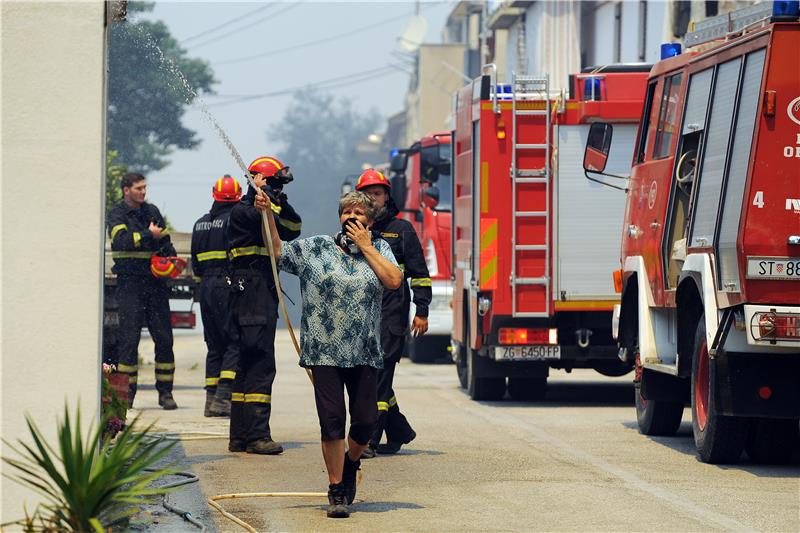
x=786 y=8
x=591 y=89
x=670 y=50
x=394 y=152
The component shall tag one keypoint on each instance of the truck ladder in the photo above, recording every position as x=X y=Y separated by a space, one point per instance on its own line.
x=530 y=88
x=720 y=26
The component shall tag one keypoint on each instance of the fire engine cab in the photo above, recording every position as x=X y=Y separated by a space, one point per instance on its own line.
x=531 y=236
x=421 y=189
x=710 y=277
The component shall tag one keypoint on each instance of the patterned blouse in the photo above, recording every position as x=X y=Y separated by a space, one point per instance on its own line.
x=341 y=302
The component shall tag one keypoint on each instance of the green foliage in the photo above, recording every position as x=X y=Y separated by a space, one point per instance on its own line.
x=85 y=490
x=114 y=173
x=319 y=135
x=146 y=101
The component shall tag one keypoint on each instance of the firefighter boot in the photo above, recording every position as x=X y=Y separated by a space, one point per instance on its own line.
x=209 y=401
x=369 y=452
x=221 y=406
x=237 y=445
x=349 y=477
x=337 y=501
x=392 y=447
x=166 y=401
x=265 y=447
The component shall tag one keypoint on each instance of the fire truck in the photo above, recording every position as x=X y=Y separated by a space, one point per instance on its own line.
x=421 y=189
x=531 y=236
x=710 y=259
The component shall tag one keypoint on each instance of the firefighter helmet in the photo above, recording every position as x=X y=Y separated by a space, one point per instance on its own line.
x=372 y=177
x=226 y=189
x=271 y=167
x=166 y=267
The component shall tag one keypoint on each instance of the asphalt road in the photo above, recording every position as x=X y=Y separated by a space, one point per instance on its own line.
x=574 y=462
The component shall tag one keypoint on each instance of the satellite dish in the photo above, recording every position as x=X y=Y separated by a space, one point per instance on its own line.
x=414 y=34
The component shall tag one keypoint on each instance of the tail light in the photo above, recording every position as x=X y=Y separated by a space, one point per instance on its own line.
x=528 y=336
x=774 y=326
x=183 y=319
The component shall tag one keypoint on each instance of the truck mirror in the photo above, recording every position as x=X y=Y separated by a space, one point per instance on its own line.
x=598 y=144
x=398 y=192
x=430 y=196
x=399 y=163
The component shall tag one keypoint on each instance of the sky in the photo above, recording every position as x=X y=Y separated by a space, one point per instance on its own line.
x=356 y=37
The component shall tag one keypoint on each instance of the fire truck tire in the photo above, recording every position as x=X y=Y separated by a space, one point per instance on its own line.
x=773 y=440
x=719 y=439
x=481 y=388
x=657 y=417
x=527 y=389
x=461 y=369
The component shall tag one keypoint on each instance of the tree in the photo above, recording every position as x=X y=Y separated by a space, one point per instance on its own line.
x=319 y=135
x=114 y=173
x=146 y=100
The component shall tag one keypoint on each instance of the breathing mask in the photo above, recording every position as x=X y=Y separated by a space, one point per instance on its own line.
x=343 y=240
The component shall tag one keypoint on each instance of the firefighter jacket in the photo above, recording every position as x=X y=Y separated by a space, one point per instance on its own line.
x=247 y=248
x=210 y=241
x=407 y=251
x=132 y=244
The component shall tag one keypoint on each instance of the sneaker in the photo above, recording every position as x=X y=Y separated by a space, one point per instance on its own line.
x=368 y=453
x=237 y=445
x=392 y=447
x=264 y=447
x=166 y=401
x=337 y=501
x=349 y=475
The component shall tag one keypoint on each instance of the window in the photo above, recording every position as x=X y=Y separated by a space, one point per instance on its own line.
x=715 y=151
x=737 y=172
x=668 y=117
x=644 y=130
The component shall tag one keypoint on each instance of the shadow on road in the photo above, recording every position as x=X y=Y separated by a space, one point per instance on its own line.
x=360 y=506
x=412 y=451
x=683 y=442
x=577 y=394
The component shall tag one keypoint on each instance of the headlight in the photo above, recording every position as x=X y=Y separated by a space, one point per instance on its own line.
x=430 y=258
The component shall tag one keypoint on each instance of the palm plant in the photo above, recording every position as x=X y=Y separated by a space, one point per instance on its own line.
x=87 y=488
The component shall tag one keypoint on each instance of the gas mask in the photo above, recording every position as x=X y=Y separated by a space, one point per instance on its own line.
x=346 y=242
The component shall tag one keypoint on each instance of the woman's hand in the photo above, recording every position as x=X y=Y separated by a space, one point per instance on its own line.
x=360 y=235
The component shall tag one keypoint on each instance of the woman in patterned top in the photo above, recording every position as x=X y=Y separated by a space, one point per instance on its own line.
x=341 y=280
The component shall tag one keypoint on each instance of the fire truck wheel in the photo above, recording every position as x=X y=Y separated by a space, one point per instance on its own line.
x=773 y=440
x=719 y=439
x=481 y=388
x=527 y=389
x=461 y=369
x=654 y=417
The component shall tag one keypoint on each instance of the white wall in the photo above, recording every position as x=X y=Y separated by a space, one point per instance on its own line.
x=51 y=231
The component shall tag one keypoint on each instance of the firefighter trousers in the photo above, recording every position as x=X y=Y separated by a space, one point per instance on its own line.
x=254 y=316
x=222 y=357
x=144 y=301
x=390 y=419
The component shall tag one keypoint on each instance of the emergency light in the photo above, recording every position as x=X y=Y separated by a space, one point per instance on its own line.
x=591 y=88
x=394 y=152
x=786 y=8
x=670 y=50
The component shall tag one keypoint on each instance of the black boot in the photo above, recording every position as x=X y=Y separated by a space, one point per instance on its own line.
x=166 y=401
x=221 y=405
x=209 y=401
x=392 y=447
x=349 y=475
x=337 y=500
x=369 y=452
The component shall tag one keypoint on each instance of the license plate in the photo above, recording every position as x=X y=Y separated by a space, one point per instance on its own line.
x=773 y=268
x=527 y=353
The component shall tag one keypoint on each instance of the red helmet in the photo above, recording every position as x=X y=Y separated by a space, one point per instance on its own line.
x=372 y=177
x=166 y=267
x=266 y=166
x=226 y=189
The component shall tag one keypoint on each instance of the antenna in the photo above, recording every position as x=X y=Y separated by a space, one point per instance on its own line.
x=414 y=34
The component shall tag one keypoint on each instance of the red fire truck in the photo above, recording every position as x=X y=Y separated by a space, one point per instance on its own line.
x=531 y=235
x=710 y=277
x=421 y=188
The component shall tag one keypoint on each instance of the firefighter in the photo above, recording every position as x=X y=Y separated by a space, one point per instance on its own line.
x=141 y=249
x=253 y=306
x=407 y=250
x=210 y=263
